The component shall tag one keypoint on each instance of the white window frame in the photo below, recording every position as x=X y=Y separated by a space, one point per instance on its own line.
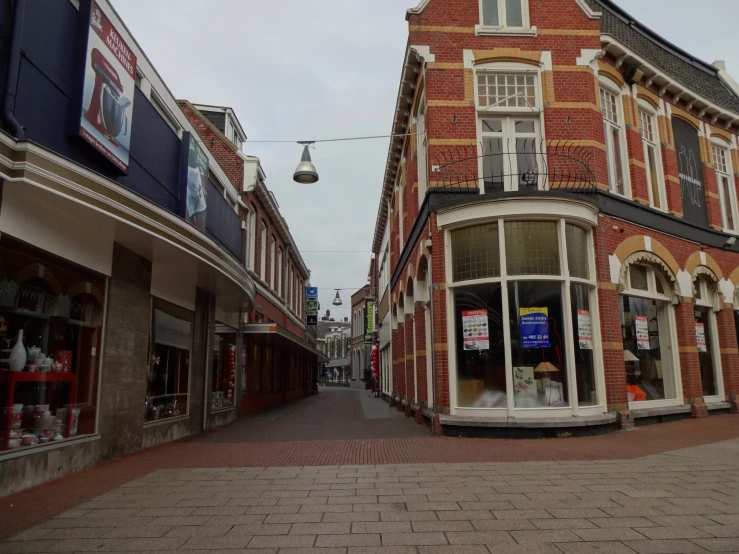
x=252 y=239
x=263 y=251
x=272 y=260
x=279 y=272
x=508 y=137
x=727 y=172
x=671 y=348
x=502 y=28
x=649 y=110
x=421 y=152
x=612 y=88
x=708 y=299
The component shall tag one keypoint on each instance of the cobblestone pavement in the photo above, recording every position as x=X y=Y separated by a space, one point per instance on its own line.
x=684 y=501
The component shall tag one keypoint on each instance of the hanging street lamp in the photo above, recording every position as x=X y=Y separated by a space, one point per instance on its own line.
x=306 y=173
x=337 y=300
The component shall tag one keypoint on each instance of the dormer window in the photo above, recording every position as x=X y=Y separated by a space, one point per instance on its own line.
x=504 y=17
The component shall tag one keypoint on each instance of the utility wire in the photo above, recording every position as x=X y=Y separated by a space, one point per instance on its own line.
x=331 y=140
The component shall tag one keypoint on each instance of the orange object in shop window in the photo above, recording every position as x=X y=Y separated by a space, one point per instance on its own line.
x=639 y=395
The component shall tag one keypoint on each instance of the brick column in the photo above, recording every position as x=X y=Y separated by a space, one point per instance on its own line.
x=613 y=348
x=729 y=354
x=689 y=363
x=420 y=316
x=397 y=346
x=409 y=355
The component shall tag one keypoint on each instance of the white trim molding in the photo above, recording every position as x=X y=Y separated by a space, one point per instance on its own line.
x=590 y=12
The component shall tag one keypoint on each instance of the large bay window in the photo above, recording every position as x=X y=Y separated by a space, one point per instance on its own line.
x=706 y=338
x=648 y=332
x=522 y=292
x=652 y=159
x=726 y=188
x=610 y=105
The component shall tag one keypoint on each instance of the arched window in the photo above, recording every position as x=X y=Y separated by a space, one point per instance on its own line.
x=263 y=251
x=706 y=333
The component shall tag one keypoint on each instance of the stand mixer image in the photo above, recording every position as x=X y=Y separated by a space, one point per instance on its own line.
x=107 y=111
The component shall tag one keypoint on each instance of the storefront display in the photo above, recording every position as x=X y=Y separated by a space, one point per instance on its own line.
x=224 y=368
x=51 y=319
x=169 y=370
x=705 y=333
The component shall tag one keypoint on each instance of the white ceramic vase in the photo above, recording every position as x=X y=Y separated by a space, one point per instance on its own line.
x=17 y=358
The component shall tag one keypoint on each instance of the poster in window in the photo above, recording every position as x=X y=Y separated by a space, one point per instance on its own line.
x=585 y=329
x=534 y=324
x=700 y=337
x=690 y=169
x=476 y=335
x=642 y=332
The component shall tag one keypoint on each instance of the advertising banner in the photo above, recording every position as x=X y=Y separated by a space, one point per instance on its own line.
x=690 y=169
x=534 y=323
x=700 y=337
x=369 y=325
x=642 y=332
x=476 y=335
x=329 y=353
x=172 y=331
x=108 y=91
x=585 y=329
x=197 y=177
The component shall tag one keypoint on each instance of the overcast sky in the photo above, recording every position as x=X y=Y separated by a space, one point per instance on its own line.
x=297 y=70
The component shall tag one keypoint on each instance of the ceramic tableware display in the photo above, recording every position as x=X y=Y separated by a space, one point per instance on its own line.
x=18 y=355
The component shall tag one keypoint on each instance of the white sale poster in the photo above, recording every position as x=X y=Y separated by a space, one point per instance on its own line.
x=642 y=332
x=585 y=329
x=700 y=337
x=476 y=335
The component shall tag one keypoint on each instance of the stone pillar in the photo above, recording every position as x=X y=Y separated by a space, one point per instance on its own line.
x=126 y=354
x=200 y=362
x=689 y=363
x=409 y=357
x=399 y=362
x=729 y=354
x=420 y=318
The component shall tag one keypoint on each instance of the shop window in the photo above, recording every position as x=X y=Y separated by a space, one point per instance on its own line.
x=706 y=337
x=726 y=188
x=613 y=129
x=647 y=332
x=528 y=319
x=223 y=384
x=652 y=159
x=51 y=324
x=168 y=378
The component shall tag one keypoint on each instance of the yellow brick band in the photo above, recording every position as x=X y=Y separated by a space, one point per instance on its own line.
x=569 y=32
x=442 y=29
x=688 y=350
x=448 y=103
x=617 y=346
x=442 y=65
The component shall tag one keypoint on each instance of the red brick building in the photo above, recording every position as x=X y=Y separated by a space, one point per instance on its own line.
x=280 y=363
x=555 y=243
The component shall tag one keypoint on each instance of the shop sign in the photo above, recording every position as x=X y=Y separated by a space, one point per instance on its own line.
x=311 y=293
x=700 y=337
x=196 y=178
x=642 y=332
x=312 y=320
x=172 y=331
x=534 y=324
x=691 y=172
x=585 y=330
x=328 y=348
x=311 y=306
x=369 y=326
x=107 y=91
x=476 y=335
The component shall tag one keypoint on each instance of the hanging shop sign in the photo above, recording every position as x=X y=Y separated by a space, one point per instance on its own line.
x=311 y=306
x=311 y=293
x=476 y=335
x=690 y=170
x=700 y=337
x=642 y=332
x=585 y=329
x=534 y=323
x=369 y=325
x=107 y=91
x=312 y=320
x=329 y=351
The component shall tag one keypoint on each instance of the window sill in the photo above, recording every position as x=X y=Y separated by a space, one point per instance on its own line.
x=165 y=421
x=485 y=30
x=216 y=411
x=41 y=448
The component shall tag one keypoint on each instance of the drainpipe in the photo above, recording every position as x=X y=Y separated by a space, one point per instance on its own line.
x=12 y=70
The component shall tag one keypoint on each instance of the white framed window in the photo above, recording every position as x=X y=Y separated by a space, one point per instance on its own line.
x=509 y=159
x=613 y=128
x=263 y=251
x=279 y=273
x=252 y=238
x=500 y=16
x=707 y=341
x=726 y=187
x=507 y=90
x=401 y=190
x=652 y=158
x=272 y=261
x=421 y=156
x=290 y=288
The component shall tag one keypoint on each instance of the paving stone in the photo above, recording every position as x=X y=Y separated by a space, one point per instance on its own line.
x=33 y=534
x=578 y=513
x=23 y=547
x=256 y=529
x=613 y=522
x=413 y=539
x=339 y=550
x=664 y=546
x=480 y=537
x=563 y=524
x=382 y=550
x=293 y=518
x=430 y=526
x=503 y=524
x=282 y=541
x=219 y=511
x=724 y=519
x=676 y=521
x=521 y=514
x=351 y=516
x=551 y=535
x=216 y=543
x=465 y=515
x=408 y=516
x=214 y=530
x=348 y=540
x=181 y=520
x=138 y=532
x=721 y=530
x=341 y=528
x=454 y=549
x=680 y=532
x=539 y=548
x=615 y=534
x=236 y=520
x=718 y=544
x=384 y=527
x=609 y=547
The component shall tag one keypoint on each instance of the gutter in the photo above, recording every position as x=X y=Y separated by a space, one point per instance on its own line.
x=12 y=70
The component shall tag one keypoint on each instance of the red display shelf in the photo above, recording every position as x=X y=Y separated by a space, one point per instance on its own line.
x=12 y=377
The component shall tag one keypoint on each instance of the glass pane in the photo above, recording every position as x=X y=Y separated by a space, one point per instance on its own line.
x=645 y=330
x=537 y=345
x=617 y=163
x=475 y=253
x=481 y=381
x=514 y=14
x=532 y=248
x=490 y=13
x=223 y=377
x=528 y=167
x=492 y=165
x=653 y=178
x=582 y=322
x=658 y=284
x=577 y=251
x=492 y=125
x=728 y=209
x=705 y=351
x=524 y=127
x=638 y=276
